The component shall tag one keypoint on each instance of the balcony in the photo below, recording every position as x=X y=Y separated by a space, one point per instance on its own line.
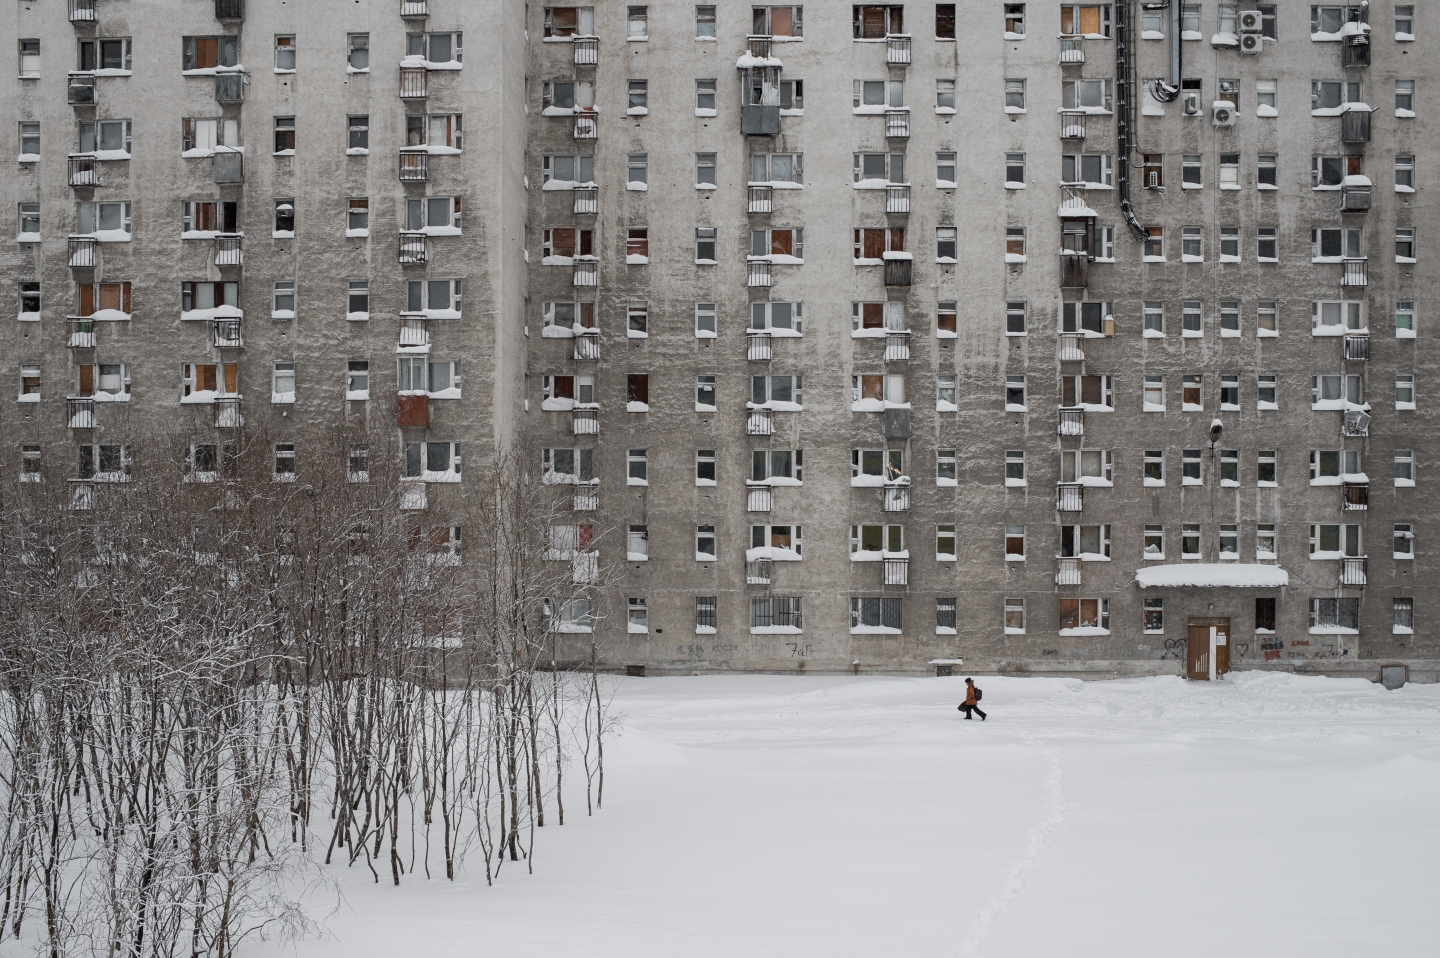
x=1072 y=422
x=227 y=414
x=83 y=252
x=897 y=50
x=1069 y=497
x=897 y=347
x=1357 y=496
x=1354 y=199
x=585 y=500
x=759 y=572
x=1072 y=51
x=1067 y=571
x=897 y=271
x=84 y=170
x=587 y=272
x=587 y=51
x=228 y=166
x=897 y=497
x=229 y=87
x=82 y=11
x=229 y=9
x=897 y=571
x=414 y=83
x=413 y=249
x=586 y=126
x=1357 y=272
x=413 y=497
x=412 y=412
x=759 y=348
x=1357 y=348
x=897 y=199
x=758 y=499
x=414 y=9
x=760 y=422
x=762 y=199
x=587 y=344
x=227 y=334
x=229 y=249
x=1072 y=348
x=1072 y=126
x=414 y=333
x=1352 y=570
x=587 y=200
x=80 y=413
x=414 y=166
x=1355 y=126
x=1355 y=423
x=897 y=124
x=895 y=424
x=1074 y=270
x=81 y=91
x=758 y=119
x=585 y=422
x=758 y=274
x=1355 y=51
x=82 y=332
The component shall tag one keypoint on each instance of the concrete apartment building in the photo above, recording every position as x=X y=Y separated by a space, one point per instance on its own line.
x=1064 y=338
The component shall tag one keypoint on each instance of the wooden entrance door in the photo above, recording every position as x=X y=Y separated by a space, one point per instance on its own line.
x=1197 y=652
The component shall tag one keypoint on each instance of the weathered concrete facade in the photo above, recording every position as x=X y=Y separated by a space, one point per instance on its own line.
x=523 y=87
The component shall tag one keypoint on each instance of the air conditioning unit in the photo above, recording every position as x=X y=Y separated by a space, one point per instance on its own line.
x=1251 y=21
x=1190 y=104
x=1222 y=112
x=1252 y=43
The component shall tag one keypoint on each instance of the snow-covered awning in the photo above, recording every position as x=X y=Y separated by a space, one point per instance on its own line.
x=748 y=61
x=1356 y=181
x=1235 y=575
x=1073 y=206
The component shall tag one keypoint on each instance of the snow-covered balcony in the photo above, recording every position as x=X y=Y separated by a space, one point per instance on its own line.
x=897 y=346
x=1356 y=272
x=585 y=422
x=414 y=9
x=896 y=570
x=759 y=347
x=1355 y=194
x=1069 y=496
x=414 y=166
x=81 y=90
x=229 y=9
x=229 y=249
x=230 y=86
x=759 y=499
x=1357 y=347
x=587 y=344
x=1355 y=125
x=897 y=495
x=1356 y=496
x=760 y=422
x=1072 y=421
x=227 y=334
x=1355 y=51
x=1067 y=571
x=897 y=268
x=1072 y=126
x=897 y=124
x=762 y=199
x=587 y=51
x=227 y=413
x=1352 y=570
x=759 y=46
x=84 y=170
x=758 y=274
x=1072 y=51
x=1072 y=347
x=82 y=332
x=83 y=253
x=82 y=11
x=414 y=334
x=587 y=272
x=586 y=126
x=897 y=198
x=414 y=83
x=897 y=50
x=80 y=413
x=586 y=499
x=587 y=200
x=413 y=249
x=1355 y=423
x=413 y=497
x=759 y=571
x=412 y=411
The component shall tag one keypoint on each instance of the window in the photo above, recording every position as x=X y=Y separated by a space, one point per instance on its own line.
x=1402 y=616
x=29 y=141
x=357 y=379
x=201 y=218
x=569 y=21
x=782 y=245
x=1230 y=171
x=705 y=170
x=638 y=102
x=1015 y=616
x=1265 y=548
x=1265 y=468
x=30 y=464
x=636 y=24
x=202 y=382
x=1229 y=319
x=357 y=217
x=109 y=139
x=1229 y=468
x=100 y=463
x=1190 y=468
x=705 y=97
x=871 y=245
x=357 y=299
x=29 y=59
x=1333 y=95
x=876 y=96
x=1088 y=614
x=1331 y=19
x=1086 y=317
x=436 y=298
x=945 y=392
x=109 y=54
x=1267 y=318
x=1328 y=467
x=945 y=170
x=705 y=544
x=777 y=392
x=106 y=221
x=946 y=244
x=1190 y=172
x=1267 y=21
x=1328 y=172
x=637 y=321
x=1015 y=393
x=1335 y=317
x=705 y=467
x=1405 y=98
x=637 y=544
x=1087 y=466
x=637 y=392
x=945 y=467
x=433 y=461
x=877 y=614
x=1087 y=169
x=102 y=301
x=1335 y=615
x=1230 y=252
x=1153 y=547
x=945 y=616
x=1334 y=243
x=873 y=467
x=944 y=96
x=1015 y=467
x=30 y=301
x=437 y=132
x=1014 y=170
x=1014 y=543
x=1154 y=326
x=1404 y=173
x=1404 y=540
x=1154 y=616
x=1154 y=244
x=1087 y=95
x=1404 y=319
x=1405 y=391
x=1095 y=393
x=945 y=542
x=1405 y=245
x=1014 y=95
x=284 y=135
x=1192 y=244
x=284 y=224
x=200 y=300
x=1154 y=467
x=786 y=538
x=1267 y=249
x=1014 y=244
x=1334 y=541
x=705 y=246
x=705 y=25
x=1190 y=540
x=1085 y=20
x=1153 y=395
x=776 y=613
x=1336 y=391
x=876 y=540
x=637 y=468
x=359 y=135
x=637 y=246
x=284 y=462
x=877 y=22
x=1014 y=21
x=284 y=54
x=1404 y=22
x=1230 y=92
x=874 y=170
x=29 y=382
x=705 y=617
x=567 y=465
x=435 y=48
x=1015 y=321
x=777 y=316
x=282 y=383
x=565 y=318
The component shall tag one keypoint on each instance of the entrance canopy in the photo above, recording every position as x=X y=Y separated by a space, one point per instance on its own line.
x=1235 y=575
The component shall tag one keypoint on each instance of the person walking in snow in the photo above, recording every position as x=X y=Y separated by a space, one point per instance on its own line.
x=972 y=701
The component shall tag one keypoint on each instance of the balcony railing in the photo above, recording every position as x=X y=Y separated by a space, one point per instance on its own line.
x=1357 y=496
x=414 y=166
x=586 y=127
x=414 y=83
x=586 y=500
x=1355 y=52
x=587 y=200
x=585 y=422
x=80 y=413
x=897 y=347
x=897 y=198
x=227 y=334
x=1356 y=273
x=1067 y=571
x=587 y=273
x=897 y=272
x=1072 y=421
x=1354 y=199
x=1355 y=126
x=413 y=497
x=1357 y=347
x=1072 y=126
x=412 y=412
x=1355 y=423
x=1069 y=497
x=81 y=91
x=82 y=333
x=897 y=124
x=897 y=497
x=897 y=50
x=760 y=422
x=762 y=199
x=413 y=249
x=83 y=253
x=587 y=345
x=82 y=11
x=759 y=572
x=759 y=499
x=587 y=51
x=228 y=166
x=1074 y=270
x=84 y=170
x=759 y=348
x=1072 y=51
x=414 y=8
x=1072 y=348
x=229 y=87
x=414 y=332
x=227 y=414
x=897 y=571
x=229 y=249
x=758 y=274
x=1352 y=570
x=229 y=9
x=759 y=45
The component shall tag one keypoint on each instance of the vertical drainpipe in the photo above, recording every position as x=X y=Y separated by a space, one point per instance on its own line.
x=1125 y=112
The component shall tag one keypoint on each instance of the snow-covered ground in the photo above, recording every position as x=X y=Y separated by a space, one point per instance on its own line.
x=1266 y=815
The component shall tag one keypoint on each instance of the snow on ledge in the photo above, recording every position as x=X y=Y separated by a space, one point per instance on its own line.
x=1213 y=575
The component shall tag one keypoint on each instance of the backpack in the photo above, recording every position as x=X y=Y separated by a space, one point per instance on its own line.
x=978 y=694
